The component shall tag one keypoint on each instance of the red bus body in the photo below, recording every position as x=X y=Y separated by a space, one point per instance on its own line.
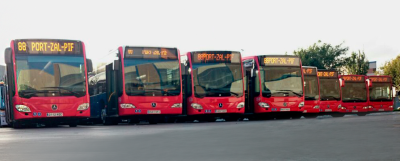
x=385 y=105
x=311 y=105
x=42 y=107
x=329 y=83
x=220 y=106
x=354 y=106
x=275 y=103
x=145 y=104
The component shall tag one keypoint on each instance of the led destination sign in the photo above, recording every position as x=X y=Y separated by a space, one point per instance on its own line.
x=151 y=53
x=48 y=47
x=216 y=57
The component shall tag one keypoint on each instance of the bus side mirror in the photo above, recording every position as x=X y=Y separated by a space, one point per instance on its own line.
x=89 y=65
x=7 y=56
x=369 y=83
x=116 y=65
x=341 y=82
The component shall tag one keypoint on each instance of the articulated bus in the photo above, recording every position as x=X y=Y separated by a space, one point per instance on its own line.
x=213 y=85
x=46 y=82
x=331 y=95
x=137 y=83
x=274 y=83
x=355 y=95
x=312 y=92
x=380 y=94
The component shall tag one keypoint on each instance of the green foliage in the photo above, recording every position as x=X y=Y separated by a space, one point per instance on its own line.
x=323 y=55
x=357 y=63
x=392 y=68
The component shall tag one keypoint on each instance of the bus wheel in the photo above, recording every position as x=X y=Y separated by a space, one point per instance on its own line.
x=338 y=115
x=16 y=125
x=361 y=114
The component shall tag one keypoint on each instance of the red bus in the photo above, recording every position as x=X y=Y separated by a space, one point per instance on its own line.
x=137 y=83
x=213 y=85
x=355 y=95
x=46 y=81
x=275 y=84
x=312 y=92
x=380 y=94
x=330 y=89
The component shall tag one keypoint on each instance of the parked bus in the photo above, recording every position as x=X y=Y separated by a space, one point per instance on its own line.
x=330 y=89
x=380 y=94
x=46 y=82
x=274 y=84
x=311 y=91
x=213 y=85
x=2 y=105
x=137 y=83
x=355 y=95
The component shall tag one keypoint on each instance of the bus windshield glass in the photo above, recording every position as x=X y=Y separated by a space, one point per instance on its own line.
x=354 y=92
x=330 y=89
x=311 y=88
x=48 y=76
x=281 y=82
x=151 y=77
x=217 y=79
x=380 y=92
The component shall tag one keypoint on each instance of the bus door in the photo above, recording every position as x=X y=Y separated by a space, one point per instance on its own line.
x=112 y=91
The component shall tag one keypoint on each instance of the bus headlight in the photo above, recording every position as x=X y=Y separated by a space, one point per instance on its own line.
x=196 y=106
x=370 y=107
x=316 y=107
x=301 y=104
x=398 y=108
x=390 y=106
x=365 y=108
x=340 y=106
x=83 y=106
x=240 y=105
x=263 y=105
x=127 y=105
x=177 y=105
x=343 y=108
x=22 y=108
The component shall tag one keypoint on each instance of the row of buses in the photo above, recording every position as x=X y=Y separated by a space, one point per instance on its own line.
x=52 y=82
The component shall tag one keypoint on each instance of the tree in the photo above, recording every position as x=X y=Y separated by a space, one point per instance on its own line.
x=323 y=55
x=357 y=63
x=392 y=68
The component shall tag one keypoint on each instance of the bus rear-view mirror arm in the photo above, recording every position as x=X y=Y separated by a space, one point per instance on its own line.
x=7 y=56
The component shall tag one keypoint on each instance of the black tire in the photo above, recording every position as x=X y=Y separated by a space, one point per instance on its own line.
x=16 y=125
x=73 y=125
x=361 y=114
x=338 y=115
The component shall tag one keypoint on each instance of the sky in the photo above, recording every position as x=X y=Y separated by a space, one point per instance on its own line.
x=254 y=27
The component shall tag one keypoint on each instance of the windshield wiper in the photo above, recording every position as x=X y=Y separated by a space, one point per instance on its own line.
x=69 y=90
x=27 y=93
x=298 y=94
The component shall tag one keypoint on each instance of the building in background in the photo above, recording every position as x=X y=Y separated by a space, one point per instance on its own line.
x=2 y=71
x=372 y=68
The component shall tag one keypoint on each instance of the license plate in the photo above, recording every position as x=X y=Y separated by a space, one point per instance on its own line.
x=328 y=110
x=381 y=109
x=285 y=109
x=153 y=111
x=354 y=111
x=54 y=114
x=220 y=111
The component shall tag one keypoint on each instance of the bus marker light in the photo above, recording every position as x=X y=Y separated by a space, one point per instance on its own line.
x=83 y=106
x=22 y=108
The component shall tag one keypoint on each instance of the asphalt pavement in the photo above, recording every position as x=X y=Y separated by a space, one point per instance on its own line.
x=371 y=137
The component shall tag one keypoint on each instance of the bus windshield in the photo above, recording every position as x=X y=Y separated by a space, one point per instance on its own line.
x=218 y=79
x=145 y=77
x=354 y=92
x=380 y=92
x=48 y=76
x=282 y=82
x=311 y=88
x=330 y=89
